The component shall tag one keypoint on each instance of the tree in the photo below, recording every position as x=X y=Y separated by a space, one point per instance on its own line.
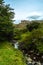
x=34 y=41
x=6 y=22
x=33 y=45
x=33 y=25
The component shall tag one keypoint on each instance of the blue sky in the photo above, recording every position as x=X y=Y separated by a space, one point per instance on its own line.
x=26 y=8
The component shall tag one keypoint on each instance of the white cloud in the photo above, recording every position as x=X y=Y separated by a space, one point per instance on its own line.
x=35 y=13
x=24 y=15
x=39 y=15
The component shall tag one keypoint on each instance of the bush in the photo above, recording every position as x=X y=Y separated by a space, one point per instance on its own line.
x=34 y=41
x=33 y=25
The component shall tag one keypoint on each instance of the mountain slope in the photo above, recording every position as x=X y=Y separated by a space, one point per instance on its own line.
x=10 y=56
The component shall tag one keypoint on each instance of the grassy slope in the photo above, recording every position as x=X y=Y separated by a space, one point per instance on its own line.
x=24 y=35
x=10 y=56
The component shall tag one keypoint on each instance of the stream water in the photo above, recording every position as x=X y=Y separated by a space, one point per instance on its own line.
x=16 y=45
x=29 y=60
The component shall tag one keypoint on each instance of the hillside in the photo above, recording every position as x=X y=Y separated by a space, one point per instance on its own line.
x=10 y=56
x=23 y=23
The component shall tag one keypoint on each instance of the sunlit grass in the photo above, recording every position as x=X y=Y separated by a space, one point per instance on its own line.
x=10 y=56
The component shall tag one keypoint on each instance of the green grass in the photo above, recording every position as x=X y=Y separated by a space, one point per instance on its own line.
x=10 y=56
x=24 y=35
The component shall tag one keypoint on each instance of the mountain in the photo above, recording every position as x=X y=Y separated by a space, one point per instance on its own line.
x=22 y=24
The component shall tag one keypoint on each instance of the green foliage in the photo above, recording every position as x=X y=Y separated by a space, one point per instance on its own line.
x=32 y=44
x=1 y=1
x=33 y=25
x=6 y=22
x=10 y=56
x=17 y=34
x=37 y=37
x=33 y=41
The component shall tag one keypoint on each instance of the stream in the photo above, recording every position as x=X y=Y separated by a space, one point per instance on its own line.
x=16 y=45
x=29 y=60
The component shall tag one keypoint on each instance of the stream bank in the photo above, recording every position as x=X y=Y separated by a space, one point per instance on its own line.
x=29 y=61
